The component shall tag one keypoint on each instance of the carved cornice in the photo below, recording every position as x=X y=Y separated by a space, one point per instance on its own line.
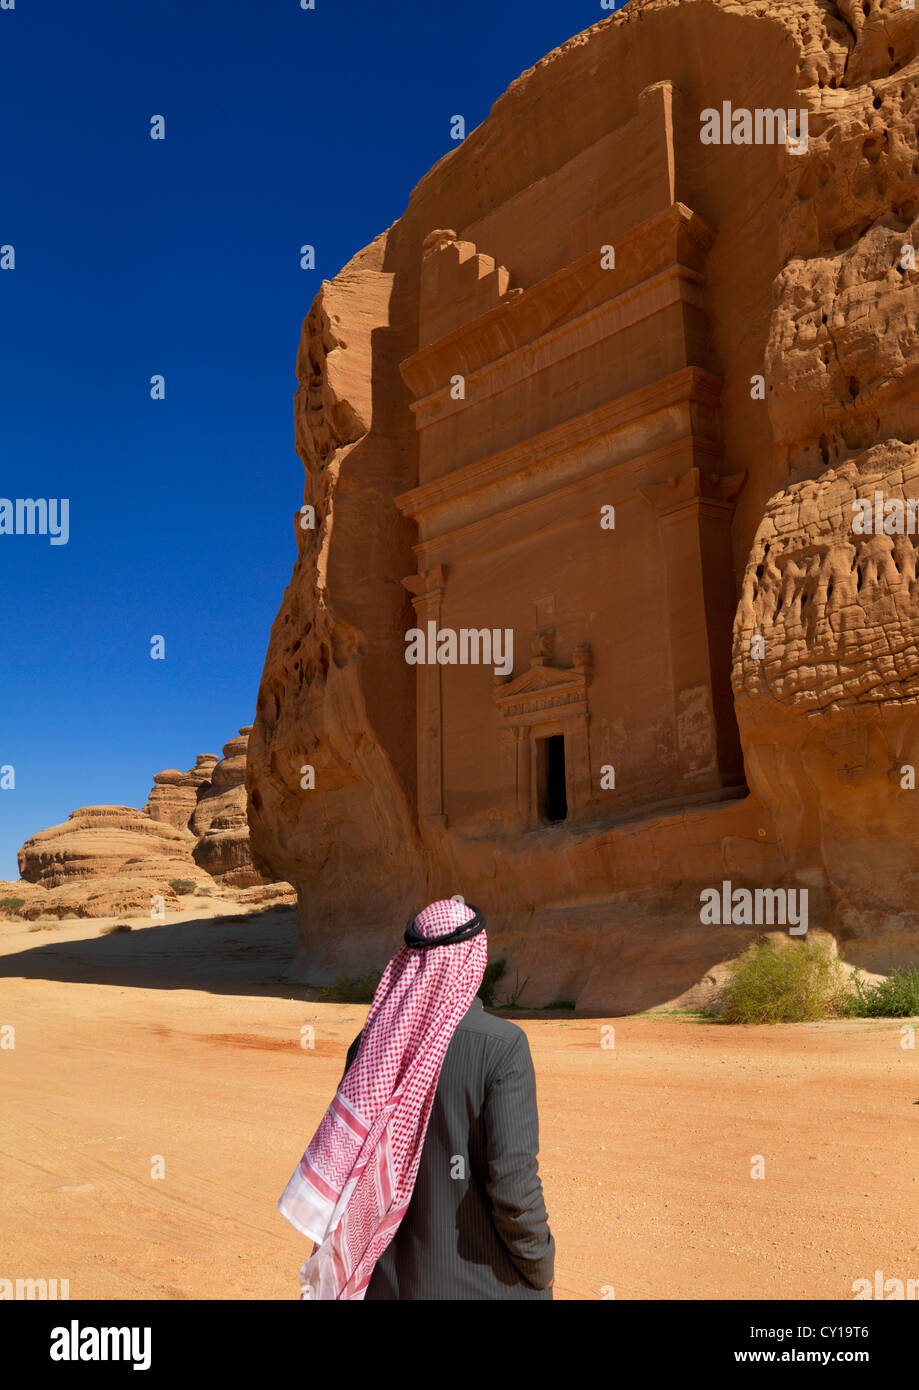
x=694 y=486
x=672 y=245
x=690 y=384
x=427 y=586
x=544 y=513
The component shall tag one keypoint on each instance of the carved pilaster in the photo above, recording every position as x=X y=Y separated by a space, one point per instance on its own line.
x=694 y=511
x=427 y=592
x=518 y=776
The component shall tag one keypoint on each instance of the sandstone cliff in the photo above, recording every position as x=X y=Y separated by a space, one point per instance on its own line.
x=796 y=264
x=104 y=860
x=174 y=795
x=218 y=821
x=208 y=802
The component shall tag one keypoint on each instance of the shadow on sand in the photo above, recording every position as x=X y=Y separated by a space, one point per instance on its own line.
x=223 y=955
x=250 y=953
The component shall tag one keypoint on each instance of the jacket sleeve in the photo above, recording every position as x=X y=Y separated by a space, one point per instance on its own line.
x=512 y=1135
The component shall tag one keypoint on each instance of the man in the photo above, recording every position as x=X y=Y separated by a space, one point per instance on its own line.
x=422 y=1181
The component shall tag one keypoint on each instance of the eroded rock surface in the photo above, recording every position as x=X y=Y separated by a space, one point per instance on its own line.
x=174 y=795
x=104 y=860
x=219 y=823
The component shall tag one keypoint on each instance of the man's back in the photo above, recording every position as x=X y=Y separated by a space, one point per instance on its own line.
x=476 y=1226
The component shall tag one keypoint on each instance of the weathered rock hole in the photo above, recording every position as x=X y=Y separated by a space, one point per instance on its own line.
x=871 y=149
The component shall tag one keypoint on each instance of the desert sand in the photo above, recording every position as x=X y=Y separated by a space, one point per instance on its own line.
x=178 y=1040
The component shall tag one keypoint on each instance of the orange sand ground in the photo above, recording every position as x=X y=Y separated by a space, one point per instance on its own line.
x=177 y=1040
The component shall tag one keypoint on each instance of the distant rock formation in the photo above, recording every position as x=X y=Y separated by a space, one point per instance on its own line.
x=585 y=307
x=219 y=823
x=174 y=794
x=103 y=841
x=105 y=860
x=209 y=802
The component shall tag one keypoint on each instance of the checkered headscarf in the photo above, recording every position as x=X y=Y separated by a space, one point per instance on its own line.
x=354 y=1183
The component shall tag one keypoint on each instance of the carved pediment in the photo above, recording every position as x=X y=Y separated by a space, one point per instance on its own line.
x=543 y=687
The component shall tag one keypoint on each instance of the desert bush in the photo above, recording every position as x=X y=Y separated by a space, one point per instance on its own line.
x=182 y=885
x=792 y=983
x=116 y=930
x=204 y=892
x=895 y=997
x=493 y=972
x=513 y=999
x=11 y=904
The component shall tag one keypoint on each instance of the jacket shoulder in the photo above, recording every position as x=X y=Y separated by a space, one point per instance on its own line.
x=501 y=1029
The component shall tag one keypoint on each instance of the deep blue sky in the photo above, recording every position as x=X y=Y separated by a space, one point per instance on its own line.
x=180 y=257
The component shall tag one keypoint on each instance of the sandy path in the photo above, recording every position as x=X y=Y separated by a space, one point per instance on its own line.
x=646 y=1148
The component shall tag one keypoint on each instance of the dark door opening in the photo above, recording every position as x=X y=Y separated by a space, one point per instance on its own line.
x=553 y=795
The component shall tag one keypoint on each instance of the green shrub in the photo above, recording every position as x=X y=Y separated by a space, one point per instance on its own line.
x=895 y=997
x=351 y=989
x=12 y=904
x=792 y=983
x=182 y=885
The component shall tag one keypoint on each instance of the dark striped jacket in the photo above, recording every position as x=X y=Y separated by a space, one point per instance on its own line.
x=476 y=1226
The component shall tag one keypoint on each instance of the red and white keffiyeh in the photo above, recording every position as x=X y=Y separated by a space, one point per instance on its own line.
x=354 y=1183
